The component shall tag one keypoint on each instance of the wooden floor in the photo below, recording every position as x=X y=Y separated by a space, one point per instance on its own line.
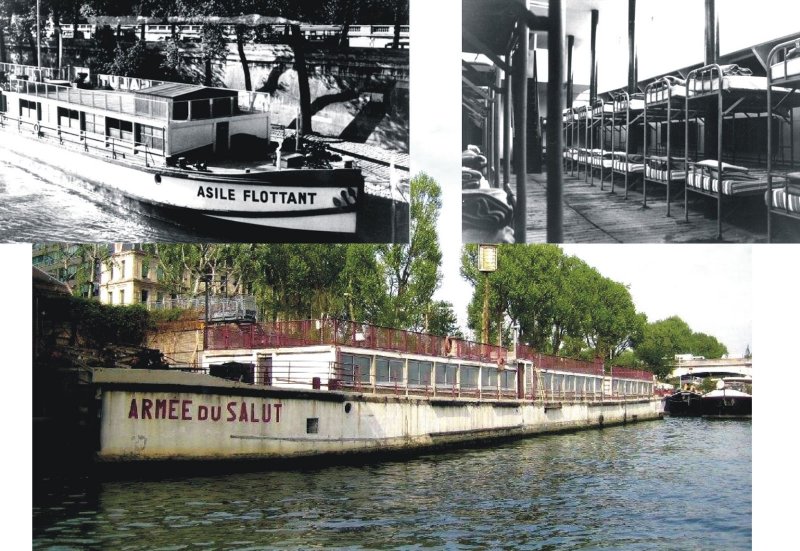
x=592 y=215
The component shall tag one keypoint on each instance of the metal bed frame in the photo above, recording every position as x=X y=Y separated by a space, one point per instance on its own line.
x=787 y=81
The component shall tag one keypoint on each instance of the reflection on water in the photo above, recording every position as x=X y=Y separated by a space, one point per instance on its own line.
x=644 y=486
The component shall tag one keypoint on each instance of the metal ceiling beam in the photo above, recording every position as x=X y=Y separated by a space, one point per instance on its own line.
x=482 y=48
x=474 y=88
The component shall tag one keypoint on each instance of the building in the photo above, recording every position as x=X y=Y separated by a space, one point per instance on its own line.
x=130 y=276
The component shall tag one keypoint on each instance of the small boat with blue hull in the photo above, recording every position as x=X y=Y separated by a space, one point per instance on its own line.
x=203 y=157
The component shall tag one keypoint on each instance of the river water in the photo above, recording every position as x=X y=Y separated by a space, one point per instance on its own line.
x=671 y=484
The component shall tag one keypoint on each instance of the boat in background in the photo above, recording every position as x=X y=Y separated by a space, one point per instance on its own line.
x=683 y=403
x=727 y=402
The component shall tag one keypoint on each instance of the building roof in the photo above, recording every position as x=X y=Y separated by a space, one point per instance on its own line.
x=43 y=283
x=178 y=91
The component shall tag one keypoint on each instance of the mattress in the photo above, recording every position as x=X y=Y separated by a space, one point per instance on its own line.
x=732 y=184
x=622 y=166
x=729 y=82
x=790 y=69
x=606 y=108
x=662 y=174
x=485 y=208
x=783 y=200
x=662 y=94
x=607 y=163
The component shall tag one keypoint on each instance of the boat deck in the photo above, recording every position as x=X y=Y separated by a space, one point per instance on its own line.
x=592 y=215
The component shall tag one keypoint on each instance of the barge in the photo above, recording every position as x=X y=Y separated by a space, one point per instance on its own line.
x=202 y=157
x=325 y=387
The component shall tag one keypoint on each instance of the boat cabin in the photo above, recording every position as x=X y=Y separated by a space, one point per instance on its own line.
x=157 y=124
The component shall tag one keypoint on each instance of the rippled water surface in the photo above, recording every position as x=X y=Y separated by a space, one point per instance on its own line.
x=48 y=206
x=672 y=484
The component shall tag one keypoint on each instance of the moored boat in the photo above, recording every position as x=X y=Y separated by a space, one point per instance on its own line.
x=727 y=403
x=203 y=157
x=321 y=387
x=683 y=403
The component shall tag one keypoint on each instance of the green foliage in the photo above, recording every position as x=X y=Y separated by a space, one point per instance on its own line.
x=173 y=67
x=129 y=62
x=665 y=338
x=561 y=304
x=100 y=324
x=708 y=385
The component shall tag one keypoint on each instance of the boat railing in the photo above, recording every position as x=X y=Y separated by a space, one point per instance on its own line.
x=117 y=147
x=312 y=375
x=346 y=333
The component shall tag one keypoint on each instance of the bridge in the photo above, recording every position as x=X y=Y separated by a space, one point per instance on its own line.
x=722 y=367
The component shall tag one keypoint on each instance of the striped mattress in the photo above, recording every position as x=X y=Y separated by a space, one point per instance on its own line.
x=783 y=200
x=732 y=184
x=622 y=166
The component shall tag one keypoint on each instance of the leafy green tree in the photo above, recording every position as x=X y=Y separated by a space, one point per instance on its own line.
x=412 y=270
x=707 y=346
x=661 y=341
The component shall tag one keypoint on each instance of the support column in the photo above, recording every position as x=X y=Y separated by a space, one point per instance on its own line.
x=593 y=67
x=631 y=46
x=496 y=129
x=711 y=127
x=570 y=44
x=534 y=131
x=507 y=128
x=520 y=70
x=555 y=105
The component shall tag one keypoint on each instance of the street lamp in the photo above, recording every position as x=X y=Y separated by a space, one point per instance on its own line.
x=206 y=278
x=487 y=262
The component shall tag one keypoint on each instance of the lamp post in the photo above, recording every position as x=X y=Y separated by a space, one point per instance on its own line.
x=487 y=262
x=206 y=278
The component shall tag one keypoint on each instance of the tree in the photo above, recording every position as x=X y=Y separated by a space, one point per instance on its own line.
x=213 y=47
x=661 y=341
x=412 y=270
x=707 y=346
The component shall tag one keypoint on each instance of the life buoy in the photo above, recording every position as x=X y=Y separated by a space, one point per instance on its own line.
x=157 y=178
x=36 y=129
x=448 y=345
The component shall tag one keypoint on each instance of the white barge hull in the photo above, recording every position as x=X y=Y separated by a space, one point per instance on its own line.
x=163 y=415
x=303 y=199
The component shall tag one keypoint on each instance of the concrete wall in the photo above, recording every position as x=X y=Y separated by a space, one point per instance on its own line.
x=151 y=415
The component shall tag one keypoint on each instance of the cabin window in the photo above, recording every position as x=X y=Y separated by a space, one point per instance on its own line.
x=488 y=377
x=380 y=29
x=222 y=107
x=388 y=370
x=419 y=373
x=150 y=136
x=29 y=109
x=94 y=124
x=403 y=28
x=355 y=368
x=119 y=129
x=446 y=374
x=507 y=379
x=354 y=28
x=201 y=109
x=69 y=118
x=469 y=376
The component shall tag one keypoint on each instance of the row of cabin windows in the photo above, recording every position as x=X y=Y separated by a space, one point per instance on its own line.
x=419 y=372
x=150 y=136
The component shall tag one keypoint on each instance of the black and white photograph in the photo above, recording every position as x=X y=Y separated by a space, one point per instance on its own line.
x=204 y=121
x=666 y=122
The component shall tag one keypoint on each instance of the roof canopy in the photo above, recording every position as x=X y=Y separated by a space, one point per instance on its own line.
x=176 y=91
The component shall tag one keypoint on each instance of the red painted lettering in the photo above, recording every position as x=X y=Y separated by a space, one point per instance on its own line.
x=278 y=413
x=253 y=418
x=231 y=413
x=147 y=404
x=202 y=413
x=243 y=412
x=216 y=413
x=172 y=413
x=133 y=413
x=161 y=409
x=185 y=410
x=266 y=412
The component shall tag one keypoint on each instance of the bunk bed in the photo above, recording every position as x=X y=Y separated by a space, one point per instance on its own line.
x=783 y=62
x=720 y=93
x=663 y=104
x=584 y=116
x=570 y=153
x=600 y=157
x=627 y=111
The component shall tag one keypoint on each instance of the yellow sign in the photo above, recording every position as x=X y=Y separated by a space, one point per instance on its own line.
x=487 y=258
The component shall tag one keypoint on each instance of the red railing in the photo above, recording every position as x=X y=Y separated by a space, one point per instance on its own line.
x=628 y=373
x=345 y=333
x=557 y=363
